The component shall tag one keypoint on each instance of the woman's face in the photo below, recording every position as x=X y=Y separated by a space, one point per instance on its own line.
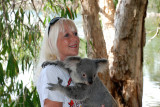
x=67 y=43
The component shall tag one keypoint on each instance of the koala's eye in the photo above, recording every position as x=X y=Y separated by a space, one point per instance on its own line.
x=94 y=75
x=84 y=75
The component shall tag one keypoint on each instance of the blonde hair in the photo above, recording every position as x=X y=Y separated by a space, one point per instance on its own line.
x=49 y=51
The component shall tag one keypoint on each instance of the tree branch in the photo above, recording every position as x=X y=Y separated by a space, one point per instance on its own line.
x=156 y=34
x=37 y=13
x=106 y=15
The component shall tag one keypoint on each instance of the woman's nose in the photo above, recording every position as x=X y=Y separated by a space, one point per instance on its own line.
x=74 y=38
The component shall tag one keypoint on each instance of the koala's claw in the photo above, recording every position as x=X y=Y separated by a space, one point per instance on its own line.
x=52 y=86
x=60 y=81
x=48 y=63
x=45 y=64
x=55 y=86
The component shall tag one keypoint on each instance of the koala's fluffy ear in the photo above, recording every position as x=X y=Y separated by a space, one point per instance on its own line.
x=71 y=62
x=101 y=64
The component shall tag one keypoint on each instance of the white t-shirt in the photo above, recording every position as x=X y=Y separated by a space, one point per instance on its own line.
x=50 y=74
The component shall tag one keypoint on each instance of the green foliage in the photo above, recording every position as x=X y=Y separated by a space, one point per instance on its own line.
x=115 y=3
x=152 y=49
x=154 y=6
x=83 y=48
x=21 y=33
x=151 y=24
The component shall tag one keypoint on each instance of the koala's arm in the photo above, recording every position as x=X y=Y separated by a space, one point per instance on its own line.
x=77 y=92
x=59 y=63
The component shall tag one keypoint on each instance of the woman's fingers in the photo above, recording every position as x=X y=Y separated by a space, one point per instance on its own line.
x=103 y=106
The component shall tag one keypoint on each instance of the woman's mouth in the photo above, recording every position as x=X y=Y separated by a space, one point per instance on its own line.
x=73 y=46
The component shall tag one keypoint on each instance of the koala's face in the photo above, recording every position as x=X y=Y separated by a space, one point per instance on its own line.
x=87 y=70
x=84 y=70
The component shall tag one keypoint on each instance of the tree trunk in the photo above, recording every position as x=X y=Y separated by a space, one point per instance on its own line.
x=96 y=47
x=95 y=41
x=124 y=78
x=126 y=71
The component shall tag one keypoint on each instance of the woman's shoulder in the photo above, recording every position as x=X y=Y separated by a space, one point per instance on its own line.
x=53 y=72
x=50 y=68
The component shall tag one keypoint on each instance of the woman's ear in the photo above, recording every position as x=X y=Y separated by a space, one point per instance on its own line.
x=101 y=64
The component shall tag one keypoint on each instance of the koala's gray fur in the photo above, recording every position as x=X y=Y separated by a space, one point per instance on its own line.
x=88 y=87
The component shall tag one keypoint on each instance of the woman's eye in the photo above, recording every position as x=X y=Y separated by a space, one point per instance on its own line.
x=66 y=35
x=75 y=33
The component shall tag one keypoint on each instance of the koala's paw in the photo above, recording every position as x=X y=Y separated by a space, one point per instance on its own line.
x=45 y=64
x=48 y=63
x=60 y=81
x=52 y=86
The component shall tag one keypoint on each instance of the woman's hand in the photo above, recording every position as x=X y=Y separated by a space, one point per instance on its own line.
x=49 y=103
x=102 y=106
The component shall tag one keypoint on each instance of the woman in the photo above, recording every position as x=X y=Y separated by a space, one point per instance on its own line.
x=60 y=40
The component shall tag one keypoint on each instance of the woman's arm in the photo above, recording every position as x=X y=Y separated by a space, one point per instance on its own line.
x=49 y=103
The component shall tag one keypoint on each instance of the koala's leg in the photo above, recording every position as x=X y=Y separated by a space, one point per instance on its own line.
x=71 y=91
x=76 y=92
x=55 y=86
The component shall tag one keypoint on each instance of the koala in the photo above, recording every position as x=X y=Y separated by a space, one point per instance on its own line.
x=88 y=87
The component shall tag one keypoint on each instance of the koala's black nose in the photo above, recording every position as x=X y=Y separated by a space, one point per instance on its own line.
x=90 y=80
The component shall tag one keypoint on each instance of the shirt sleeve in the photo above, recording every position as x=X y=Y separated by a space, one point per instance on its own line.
x=49 y=74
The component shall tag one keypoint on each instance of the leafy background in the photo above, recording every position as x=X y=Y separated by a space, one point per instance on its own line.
x=22 y=25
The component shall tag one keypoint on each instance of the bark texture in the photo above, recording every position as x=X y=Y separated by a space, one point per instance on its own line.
x=126 y=71
x=93 y=31
x=124 y=77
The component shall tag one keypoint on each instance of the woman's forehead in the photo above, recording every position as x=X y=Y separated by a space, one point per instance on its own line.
x=67 y=26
